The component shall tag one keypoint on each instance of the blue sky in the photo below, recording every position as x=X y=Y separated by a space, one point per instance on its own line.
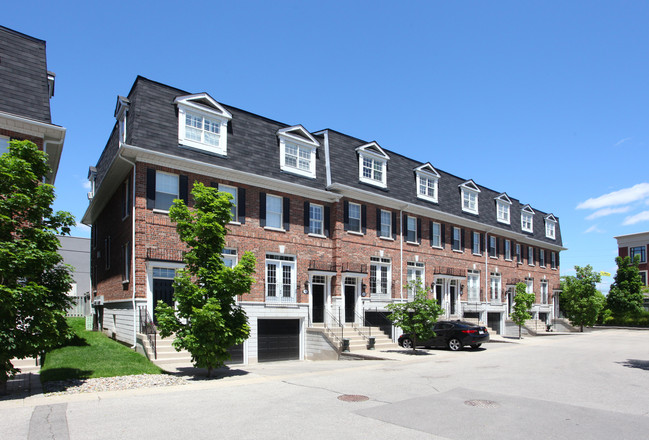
x=544 y=100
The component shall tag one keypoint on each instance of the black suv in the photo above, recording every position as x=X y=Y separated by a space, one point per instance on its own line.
x=451 y=334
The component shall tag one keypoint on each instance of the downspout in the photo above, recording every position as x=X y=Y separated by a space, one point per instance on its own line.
x=132 y=250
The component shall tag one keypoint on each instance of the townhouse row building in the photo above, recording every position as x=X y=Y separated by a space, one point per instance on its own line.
x=339 y=226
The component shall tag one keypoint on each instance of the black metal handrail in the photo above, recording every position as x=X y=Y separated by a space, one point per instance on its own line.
x=330 y=328
x=325 y=266
x=354 y=267
x=358 y=329
x=451 y=271
x=148 y=328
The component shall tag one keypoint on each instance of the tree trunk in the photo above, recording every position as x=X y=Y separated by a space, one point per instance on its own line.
x=519 y=331
x=414 y=343
x=582 y=328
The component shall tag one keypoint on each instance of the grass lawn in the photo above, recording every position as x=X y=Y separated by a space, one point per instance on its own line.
x=93 y=354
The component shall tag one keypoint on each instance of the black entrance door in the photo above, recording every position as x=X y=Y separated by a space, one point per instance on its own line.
x=162 y=291
x=350 y=303
x=318 y=298
x=453 y=298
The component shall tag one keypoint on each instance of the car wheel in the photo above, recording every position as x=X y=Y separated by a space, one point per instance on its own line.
x=476 y=346
x=406 y=343
x=454 y=344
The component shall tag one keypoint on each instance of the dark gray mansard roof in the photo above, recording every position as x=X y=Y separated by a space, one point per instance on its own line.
x=23 y=76
x=253 y=146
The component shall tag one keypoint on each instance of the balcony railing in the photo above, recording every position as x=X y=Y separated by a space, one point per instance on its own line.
x=451 y=271
x=164 y=254
x=354 y=267
x=325 y=266
x=281 y=299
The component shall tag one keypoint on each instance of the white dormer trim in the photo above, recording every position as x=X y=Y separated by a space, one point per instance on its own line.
x=503 y=208
x=527 y=219
x=550 y=226
x=293 y=141
x=121 y=110
x=374 y=154
x=203 y=107
x=469 y=199
x=426 y=174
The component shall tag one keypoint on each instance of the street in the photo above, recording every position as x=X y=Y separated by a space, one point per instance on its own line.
x=580 y=386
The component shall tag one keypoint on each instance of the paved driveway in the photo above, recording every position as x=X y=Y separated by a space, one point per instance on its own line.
x=584 y=386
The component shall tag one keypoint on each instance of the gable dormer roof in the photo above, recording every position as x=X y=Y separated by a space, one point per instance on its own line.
x=121 y=106
x=427 y=168
x=504 y=198
x=470 y=184
x=299 y=134
x=373 y=148
x=551 y=218
x=528 y=208
x=203 y=102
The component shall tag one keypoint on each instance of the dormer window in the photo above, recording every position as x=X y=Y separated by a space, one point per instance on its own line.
x=470 y=193
x=202 y=123
x=503 y=204
x=427 y=182
x=297 y=151
x=372 y=164
x=550 y=227
x=527 y=219
x=121 y=110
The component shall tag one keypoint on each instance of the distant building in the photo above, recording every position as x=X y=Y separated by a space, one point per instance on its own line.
x=26 y=87
x=76 y=252
x=636 y=244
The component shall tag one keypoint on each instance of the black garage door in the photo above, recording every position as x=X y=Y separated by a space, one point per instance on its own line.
x=236 y=351
x=278 y=339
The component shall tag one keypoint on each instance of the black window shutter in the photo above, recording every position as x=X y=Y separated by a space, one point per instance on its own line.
x=262 y=209
x=346 y=215
x=241 y=206
x=287 y=214
x=462 y=234
x=307 y=217
x=443 y=235
x=364 y=218
x=557 y=260
x=538 y=256
x=378 y=222
x=418 y=230
x=150 y=188
x=403 y=224
x=214 y=185
x=482 y=243
x=394 y=225
x=183 y=185
x=472 y=241
x=327 y=221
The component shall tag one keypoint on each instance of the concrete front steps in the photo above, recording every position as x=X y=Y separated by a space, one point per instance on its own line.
x=166 y=353
x=476 y=321
x=27 y=365
x=358 y=337
x=535 y=326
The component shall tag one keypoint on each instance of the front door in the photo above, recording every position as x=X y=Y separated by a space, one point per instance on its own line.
x=318 y=298
x=162 y=291
x=350 y=303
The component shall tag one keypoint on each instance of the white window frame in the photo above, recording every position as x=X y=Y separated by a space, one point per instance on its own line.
x=412 y=219
x=530 y=256
x=303 y=152
x=234 y=192
x=360 y=219
x=176 y=194
x=459 y=239
x=437 y=235
x=279 y=262
x=646 y=276
x=377 y=289
x=377 y=165
x=550 y=229
x=416 y=271
x=553 y=260
x=544 y=292
x=529 y=285
x=429 y=184
x=126 y=211
x=387 y=232
x=495 y=287
x=527 y=219
x=274 y=214
x=469 y=200
x=493 y=245
x=508 y=250
x=542 y=257
x=503 y=211
x=230 y=255
x=215 y=113
x=473 y=286
x=126 y=263
x=519 y=254
x=476 y=243
x=314 y=221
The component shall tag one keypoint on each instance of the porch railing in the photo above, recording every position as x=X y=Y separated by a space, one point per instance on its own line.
x=354 y=267
x=325 y=266
x=334 y=323
x=148 y=328
x=451 y=271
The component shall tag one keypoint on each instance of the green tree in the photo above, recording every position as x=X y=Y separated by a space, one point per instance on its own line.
x=207 y=320
x=522 y=304
x=625 y=297
x=417 y=317
x=33 y=281
x=580 y=300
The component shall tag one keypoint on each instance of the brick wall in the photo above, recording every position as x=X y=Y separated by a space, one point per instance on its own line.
x=20 y=136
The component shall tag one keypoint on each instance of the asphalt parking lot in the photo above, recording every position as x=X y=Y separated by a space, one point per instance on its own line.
x=582 y=386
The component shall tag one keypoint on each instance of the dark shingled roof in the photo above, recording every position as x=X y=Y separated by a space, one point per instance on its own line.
x=253 y=146
x=23 y=76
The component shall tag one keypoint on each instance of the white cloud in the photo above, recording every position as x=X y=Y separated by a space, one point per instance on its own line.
x=593 y=228
x=636 y=218
x=615 y=198
x=608 y=211
x=621 y=141
x=85 y=184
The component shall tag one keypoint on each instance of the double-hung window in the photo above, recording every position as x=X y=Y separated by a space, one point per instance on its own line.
x=544 y=291
x=550 y=228
x=166 y=190
x=274 y=211
x=527 y=221
x=530 y=255
x=411 y=229
x=508 y=250
x=457 y=239
x=476 y=243
x=372 y=165
x=473 y=285
x=437 y=235
x=503 y=211
x=529 y=285
x=233 y=192
x=380 y=277
x=519 y=256
x=316 y=216
x=280 y=278
x=229 y=257
x=640 y=251
x=553 y=260
x=416 y=276
x=469 y=201
x=427 y=187
x=202 y=123
x=373 y=169
x=542 y=257
x=493 y=253
x=126 y=263
x=495 y=287
x=385 y=230
x=354 y=217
